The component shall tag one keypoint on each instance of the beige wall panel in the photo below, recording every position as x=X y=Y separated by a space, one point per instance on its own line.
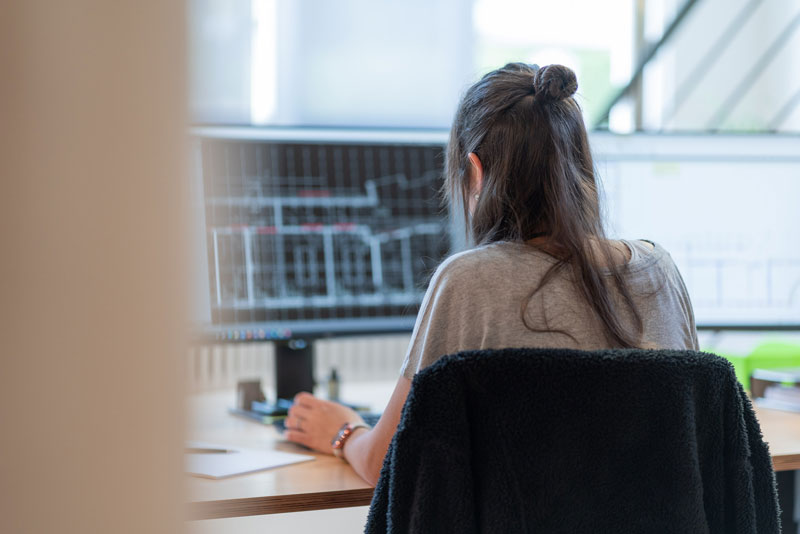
x=92 y=186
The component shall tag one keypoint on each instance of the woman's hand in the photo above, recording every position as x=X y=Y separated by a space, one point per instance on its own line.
x=315 y=422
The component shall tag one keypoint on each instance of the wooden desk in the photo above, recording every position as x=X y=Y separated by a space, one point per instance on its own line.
x=328 y=482
x=324 y=483
x=782 y=433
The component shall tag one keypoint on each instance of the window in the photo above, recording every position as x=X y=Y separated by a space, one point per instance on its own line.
x=724 y=65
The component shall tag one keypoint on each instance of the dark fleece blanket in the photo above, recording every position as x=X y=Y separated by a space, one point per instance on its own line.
x=544 y=440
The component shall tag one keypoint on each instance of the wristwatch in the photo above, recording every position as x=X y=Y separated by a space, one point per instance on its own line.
x=344 y=433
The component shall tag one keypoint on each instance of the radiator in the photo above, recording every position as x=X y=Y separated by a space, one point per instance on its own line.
x=361 y=359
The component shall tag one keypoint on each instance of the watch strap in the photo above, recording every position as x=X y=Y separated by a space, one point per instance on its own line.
x=337 y=443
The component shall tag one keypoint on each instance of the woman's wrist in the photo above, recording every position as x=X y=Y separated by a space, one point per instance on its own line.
x=343 y=436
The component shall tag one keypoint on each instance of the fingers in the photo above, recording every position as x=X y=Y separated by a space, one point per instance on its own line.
x=297 y=416
x=292 y=423
x=300 y=411
x=305 y=399
x=299 y=419
x=298 y=437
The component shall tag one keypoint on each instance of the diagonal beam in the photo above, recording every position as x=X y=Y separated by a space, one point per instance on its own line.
x=784 y=112
x=704 y=65
x=637 y=74
x=753 y=74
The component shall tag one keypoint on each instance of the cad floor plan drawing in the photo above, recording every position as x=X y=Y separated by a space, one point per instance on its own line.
x=319 y=231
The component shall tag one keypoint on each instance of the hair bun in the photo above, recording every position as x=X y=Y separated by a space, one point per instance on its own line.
x=554 y=82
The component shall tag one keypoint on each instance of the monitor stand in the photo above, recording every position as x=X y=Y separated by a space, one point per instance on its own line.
x=294 y=367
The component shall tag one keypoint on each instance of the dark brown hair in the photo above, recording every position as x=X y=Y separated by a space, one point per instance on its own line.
x=538 y=180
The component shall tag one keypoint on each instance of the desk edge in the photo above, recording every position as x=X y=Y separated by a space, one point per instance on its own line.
x=279 y=504
x=786 y=462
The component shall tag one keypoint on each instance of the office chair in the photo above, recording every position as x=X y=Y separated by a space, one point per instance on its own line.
x=557 y=440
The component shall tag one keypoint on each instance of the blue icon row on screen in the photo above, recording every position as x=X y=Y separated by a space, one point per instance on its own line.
x=251 y=335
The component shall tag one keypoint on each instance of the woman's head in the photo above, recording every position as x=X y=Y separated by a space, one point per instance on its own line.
x=529 y=143
x=518 y=163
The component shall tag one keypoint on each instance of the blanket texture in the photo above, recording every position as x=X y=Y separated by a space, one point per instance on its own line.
x=544 y=440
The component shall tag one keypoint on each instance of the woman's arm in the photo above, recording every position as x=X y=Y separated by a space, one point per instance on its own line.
x=366 y=450
x=313 y=422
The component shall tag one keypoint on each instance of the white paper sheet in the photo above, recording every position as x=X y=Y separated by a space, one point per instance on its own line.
x=235 y=460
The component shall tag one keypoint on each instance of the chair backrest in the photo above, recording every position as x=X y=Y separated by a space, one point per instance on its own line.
x=552 y=440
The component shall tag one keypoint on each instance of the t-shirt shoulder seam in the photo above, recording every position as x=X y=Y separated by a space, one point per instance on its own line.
x=657 y=256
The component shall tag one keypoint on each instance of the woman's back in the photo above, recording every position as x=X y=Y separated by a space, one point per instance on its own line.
x=476 y=300
x=543 y=274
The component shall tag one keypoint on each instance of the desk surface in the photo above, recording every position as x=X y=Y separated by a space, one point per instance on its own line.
x=328 y=482
x=324 y=483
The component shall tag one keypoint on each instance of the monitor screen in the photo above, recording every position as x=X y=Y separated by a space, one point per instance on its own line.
x=325 y=232
x=726 y=207
x=319 y=232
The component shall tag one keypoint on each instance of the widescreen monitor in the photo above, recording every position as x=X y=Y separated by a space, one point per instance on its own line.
x=310 y=233
x=313 y=233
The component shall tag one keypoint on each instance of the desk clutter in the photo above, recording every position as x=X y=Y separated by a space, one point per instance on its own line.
x=252 y=404
x=776 y=388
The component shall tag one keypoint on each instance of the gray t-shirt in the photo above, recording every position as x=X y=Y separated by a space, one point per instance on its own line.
x=476 y=298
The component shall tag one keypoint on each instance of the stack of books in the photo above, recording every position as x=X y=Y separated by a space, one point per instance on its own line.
x=777 y=388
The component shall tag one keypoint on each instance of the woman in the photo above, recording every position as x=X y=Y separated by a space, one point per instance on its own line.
x=542 y=274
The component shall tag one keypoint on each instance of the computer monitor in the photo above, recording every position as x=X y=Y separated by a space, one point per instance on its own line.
x=726 y=207
x=312 y=233
x=324 y=232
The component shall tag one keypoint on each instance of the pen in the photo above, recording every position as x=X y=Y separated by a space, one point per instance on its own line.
x=201 y=450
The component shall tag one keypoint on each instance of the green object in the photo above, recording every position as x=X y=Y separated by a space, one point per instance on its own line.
x=741 y=365
x=775 y=354
x=771 y=354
